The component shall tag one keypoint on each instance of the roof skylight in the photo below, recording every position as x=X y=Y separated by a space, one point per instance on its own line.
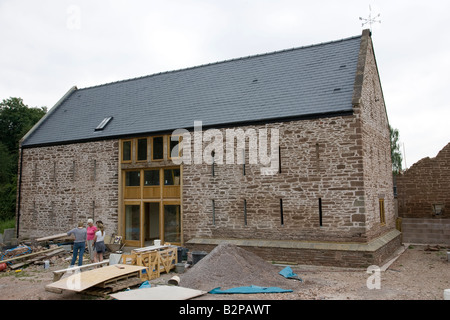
x=103 y=124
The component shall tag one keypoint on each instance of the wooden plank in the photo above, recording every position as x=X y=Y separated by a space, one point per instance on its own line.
x=28 y=255
x=18 y=265
x=56 y=236
x=150 y=248
x=113 y=287
x=57 y=274
x=80 y=281
x=159 y=293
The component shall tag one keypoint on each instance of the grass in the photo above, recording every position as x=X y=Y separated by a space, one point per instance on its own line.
x=7 y=224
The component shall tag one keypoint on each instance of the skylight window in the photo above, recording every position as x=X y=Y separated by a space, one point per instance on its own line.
x=103 y=124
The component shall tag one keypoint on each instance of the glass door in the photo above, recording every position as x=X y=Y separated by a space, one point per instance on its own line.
x=133 y=223
x=151 y=223
x=172 y=222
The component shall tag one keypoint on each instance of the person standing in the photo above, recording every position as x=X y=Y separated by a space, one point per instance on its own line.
x=99 y=241
x=79 y=243
x=91 y=229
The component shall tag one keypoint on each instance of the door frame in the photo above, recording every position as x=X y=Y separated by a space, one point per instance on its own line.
x=141 y=202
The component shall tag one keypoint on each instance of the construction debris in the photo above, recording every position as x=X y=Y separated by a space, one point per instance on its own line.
x=433 y=248
x=54 y=237
x=24 y=255
x=100 y=281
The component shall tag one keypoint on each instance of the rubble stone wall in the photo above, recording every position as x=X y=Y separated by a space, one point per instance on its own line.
x=424 y=184
x=64 y=184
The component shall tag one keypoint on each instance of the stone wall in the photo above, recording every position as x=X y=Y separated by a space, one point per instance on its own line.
x=424 y=184
x=64 y=184
x=375 y=135
x=375 y=252
x=320 y=158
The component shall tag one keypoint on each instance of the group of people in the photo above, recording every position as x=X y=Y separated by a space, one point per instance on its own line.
x=94 y=236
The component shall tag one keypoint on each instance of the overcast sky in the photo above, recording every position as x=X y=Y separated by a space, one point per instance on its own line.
x=46 y=47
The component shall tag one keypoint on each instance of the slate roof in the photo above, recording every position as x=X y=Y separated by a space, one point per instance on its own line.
x=300 y=82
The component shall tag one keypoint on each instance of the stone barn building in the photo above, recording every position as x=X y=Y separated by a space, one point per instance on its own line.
x=423 y=194
x=286 y=154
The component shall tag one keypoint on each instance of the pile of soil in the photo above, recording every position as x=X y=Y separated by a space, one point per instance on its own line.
x=229 y=266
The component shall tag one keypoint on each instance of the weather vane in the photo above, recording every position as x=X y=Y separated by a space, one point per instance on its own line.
x=371 y=20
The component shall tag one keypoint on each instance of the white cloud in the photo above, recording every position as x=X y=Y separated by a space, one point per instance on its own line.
x=49 y=46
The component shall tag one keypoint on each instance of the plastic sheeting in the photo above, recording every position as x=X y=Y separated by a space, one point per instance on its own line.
x=289 y=274
x=249 y=289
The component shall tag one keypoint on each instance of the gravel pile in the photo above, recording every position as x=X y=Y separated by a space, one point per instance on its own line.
x=229 y=266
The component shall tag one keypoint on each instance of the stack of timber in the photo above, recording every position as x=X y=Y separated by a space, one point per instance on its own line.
x=155 y=259
x=37 y=256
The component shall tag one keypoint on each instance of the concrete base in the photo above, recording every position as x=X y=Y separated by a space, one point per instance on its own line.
x=376 y=252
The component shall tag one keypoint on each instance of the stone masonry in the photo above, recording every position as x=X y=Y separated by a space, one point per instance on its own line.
x=419 y=189
x=424 y=184
x=62 y=185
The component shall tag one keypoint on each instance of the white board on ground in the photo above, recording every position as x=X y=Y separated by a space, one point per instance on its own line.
x=159 y=293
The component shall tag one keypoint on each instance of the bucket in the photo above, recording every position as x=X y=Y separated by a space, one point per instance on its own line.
x=197 y=256
x=447 y=294
x=157 y=242
x=179 y=267
x=175 y=280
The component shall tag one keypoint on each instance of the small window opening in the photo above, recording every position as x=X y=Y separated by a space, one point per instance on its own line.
x=245 y=212
x=279 y=159
x=320 y=211
x=213 y=203
x=243 y=162
x=382 y=215
x=213 y=164
x=281 y=212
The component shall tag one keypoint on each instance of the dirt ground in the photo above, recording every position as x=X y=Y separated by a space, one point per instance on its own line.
x=417 y=274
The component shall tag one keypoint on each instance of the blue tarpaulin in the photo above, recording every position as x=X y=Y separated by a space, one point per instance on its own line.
x=289 y=274
x=250 y=289
x=145 y=284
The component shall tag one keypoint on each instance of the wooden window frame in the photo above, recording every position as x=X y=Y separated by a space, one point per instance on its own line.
x=146 y=193
x=162 y=222
x=153 y=148
x=169 y=151
x=131 y=151
x=137 y=150
x=135 y=243
x=133 y=189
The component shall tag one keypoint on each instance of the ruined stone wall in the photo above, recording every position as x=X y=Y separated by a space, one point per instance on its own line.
x=64 y=184
x=425 y=183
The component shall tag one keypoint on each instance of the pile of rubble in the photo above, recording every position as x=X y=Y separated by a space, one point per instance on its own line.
x=15 y=255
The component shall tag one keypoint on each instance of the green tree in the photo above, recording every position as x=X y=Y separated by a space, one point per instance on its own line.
x=396 y=155
x=16 y=119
